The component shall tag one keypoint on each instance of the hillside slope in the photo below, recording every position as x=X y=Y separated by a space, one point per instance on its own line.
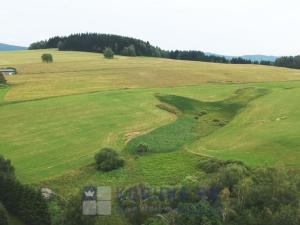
x=6 y=47
x=89 y=72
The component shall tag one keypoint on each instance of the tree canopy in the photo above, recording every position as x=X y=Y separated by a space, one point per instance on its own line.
x=108 y=53
x=47 y=58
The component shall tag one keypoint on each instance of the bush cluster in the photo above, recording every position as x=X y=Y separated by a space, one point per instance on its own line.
x=108 y=159
x=47 y=58
x=108 y=53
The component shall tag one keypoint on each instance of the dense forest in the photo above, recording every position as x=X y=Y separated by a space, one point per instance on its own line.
x=120 y=45
x=92 y=42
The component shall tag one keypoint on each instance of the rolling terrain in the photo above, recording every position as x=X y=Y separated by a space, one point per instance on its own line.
x=54 y=117
x=6 y=47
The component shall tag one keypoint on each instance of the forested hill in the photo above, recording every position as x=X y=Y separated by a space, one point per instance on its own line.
x=120 y=45
x=93 y=42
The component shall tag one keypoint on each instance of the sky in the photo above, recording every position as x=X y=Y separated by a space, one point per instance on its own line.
x=230 y=27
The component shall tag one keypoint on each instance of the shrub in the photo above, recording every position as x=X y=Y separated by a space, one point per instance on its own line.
x=108 y=53
x=108 y=159
x=212 y=165
x=47 y=58
x=2 y=79
x=3 y=215
x=142 y=149
x=202 y=113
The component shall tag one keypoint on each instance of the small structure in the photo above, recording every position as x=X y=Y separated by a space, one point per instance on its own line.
x=8 y=71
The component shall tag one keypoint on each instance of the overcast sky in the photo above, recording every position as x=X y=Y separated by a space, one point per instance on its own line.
x=232 y=27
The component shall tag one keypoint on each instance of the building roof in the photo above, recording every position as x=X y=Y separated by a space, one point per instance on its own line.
x=8 y=70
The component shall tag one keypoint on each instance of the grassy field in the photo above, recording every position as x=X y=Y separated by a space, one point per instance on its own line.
x=54 y=117
x=75 y=72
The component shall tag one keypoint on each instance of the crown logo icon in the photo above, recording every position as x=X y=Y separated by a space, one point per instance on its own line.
x=89 y=193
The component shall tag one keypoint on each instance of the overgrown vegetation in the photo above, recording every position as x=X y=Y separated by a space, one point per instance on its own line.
x=196 y=119
x=108 y=159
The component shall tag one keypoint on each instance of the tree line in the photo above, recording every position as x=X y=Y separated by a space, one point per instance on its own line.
x=121 y=45
x=288 y=61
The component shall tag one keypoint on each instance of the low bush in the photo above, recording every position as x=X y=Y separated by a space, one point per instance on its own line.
x=202 y=113
x=142 y=149
x=108 y=159
x=212 y=165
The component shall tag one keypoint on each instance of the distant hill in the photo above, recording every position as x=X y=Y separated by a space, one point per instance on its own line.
x=260 y=57
x=6 y=47
x=248 y=57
